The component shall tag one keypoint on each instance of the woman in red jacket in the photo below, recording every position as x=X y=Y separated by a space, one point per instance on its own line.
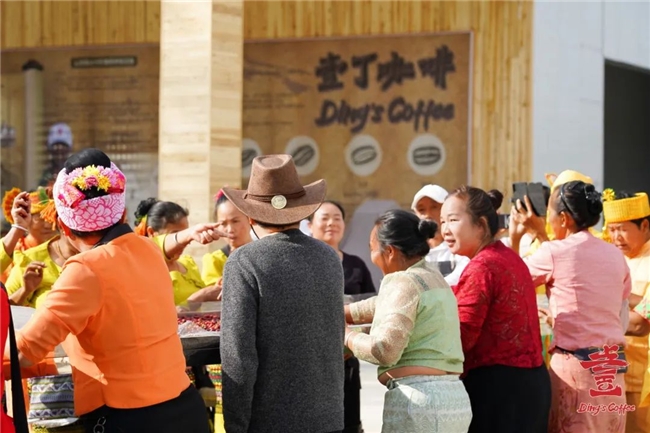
x=505 y=376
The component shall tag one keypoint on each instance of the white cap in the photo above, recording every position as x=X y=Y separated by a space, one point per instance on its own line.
x=434 y=192
x=59 y=133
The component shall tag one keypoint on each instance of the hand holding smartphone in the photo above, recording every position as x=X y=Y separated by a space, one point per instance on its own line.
x=535 y=193
x=21 y=210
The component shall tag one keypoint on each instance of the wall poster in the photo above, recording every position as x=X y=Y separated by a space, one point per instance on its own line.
x=377 y=117
x=58 y=101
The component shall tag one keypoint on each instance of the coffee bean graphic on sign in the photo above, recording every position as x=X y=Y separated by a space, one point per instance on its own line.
x=250 y=150
x=305 y=154
x=363 y=155
x=426 y=155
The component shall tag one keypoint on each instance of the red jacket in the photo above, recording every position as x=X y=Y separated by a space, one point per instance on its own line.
x=497 y=307
x=6 y=423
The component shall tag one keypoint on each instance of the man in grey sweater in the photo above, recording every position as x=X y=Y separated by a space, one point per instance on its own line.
x=282 y=318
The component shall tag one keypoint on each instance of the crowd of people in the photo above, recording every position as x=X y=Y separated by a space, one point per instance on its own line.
x=454 y=328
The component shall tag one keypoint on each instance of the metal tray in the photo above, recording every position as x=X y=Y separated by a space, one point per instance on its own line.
x=197 y=309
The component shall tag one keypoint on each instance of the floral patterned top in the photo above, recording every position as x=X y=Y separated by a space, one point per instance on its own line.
x=414 y=322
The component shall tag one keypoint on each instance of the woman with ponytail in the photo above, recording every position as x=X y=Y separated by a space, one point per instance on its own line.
x=588 y=282
x=504 y=373
x=415 y=336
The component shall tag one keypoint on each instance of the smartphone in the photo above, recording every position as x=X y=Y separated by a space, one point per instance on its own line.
x=519 y=190
x=536 y=195
x=504 y=221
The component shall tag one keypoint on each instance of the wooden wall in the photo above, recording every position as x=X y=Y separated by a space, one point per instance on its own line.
x=53 y=23
x=502 y=90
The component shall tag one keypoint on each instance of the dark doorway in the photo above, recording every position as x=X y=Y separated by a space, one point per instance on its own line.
x=627 y=127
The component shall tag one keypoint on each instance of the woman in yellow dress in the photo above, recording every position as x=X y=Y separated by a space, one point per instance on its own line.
x=36 y=269
x=39 y=231
x=231 y=221
x=159 y=219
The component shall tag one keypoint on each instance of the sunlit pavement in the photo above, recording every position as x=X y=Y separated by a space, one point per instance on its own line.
x=372 y=398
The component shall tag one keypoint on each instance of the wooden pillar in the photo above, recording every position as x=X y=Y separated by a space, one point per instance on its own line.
x=201 y=78
x=34 y=138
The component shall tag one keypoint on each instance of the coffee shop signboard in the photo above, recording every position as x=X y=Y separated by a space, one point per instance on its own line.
x=377 y=117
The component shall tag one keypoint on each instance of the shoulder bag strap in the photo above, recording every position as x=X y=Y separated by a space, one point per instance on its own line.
x=17 y=395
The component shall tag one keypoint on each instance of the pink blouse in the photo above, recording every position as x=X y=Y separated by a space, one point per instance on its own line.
x=587 y=280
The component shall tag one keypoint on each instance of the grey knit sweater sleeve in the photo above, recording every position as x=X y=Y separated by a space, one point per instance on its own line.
x=239 y=341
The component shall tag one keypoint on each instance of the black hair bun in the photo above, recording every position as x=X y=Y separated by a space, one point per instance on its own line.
x=594 y=204
x=143 y=208
x=496 y=198
x=427 y=228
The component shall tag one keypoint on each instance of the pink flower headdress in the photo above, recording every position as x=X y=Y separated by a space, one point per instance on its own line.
x=88 y=215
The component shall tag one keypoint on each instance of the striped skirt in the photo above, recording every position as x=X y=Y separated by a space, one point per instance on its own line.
x=426 y=404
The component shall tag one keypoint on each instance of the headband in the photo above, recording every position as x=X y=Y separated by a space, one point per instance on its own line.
x=89 y=215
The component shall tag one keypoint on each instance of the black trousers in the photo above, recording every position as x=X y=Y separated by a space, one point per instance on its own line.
x=509 y=399
x=352 y=396
x=185 y=413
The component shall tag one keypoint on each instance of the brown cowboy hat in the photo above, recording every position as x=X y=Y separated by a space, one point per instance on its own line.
x=275 y=194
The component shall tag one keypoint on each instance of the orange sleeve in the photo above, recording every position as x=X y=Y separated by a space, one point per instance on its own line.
x=45 y=368
x=74 y=300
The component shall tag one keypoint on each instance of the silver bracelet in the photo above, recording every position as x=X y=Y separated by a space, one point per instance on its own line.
x=16 y=226
x=176 y=238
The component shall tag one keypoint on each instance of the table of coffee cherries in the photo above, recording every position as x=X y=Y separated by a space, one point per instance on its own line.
x=196 y=319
